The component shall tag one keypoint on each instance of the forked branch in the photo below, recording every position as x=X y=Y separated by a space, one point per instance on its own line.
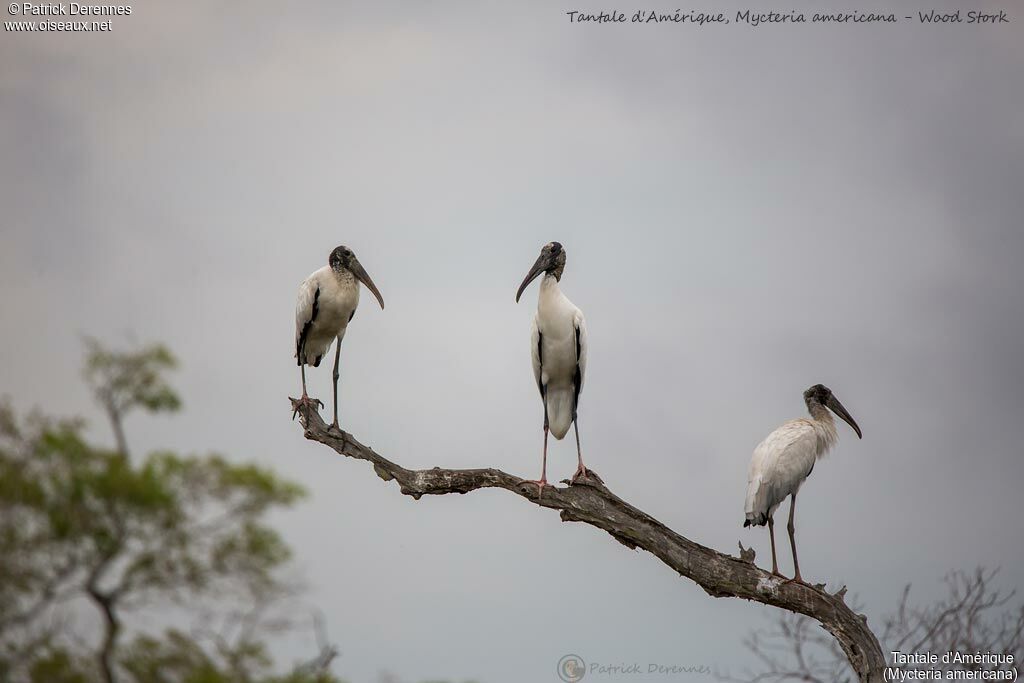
x=590 y=501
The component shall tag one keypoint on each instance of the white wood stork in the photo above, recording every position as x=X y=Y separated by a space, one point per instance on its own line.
x=783 y=461
x=558 y=343
x=327 y=302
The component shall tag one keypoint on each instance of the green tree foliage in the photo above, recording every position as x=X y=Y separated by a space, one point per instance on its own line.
x=87 y=531
x=125 y=380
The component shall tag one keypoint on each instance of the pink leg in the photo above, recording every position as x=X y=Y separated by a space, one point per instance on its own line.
x=775 y=562
x=305 y=400
x=581 y=471
x=792 y=543
x=543 y=481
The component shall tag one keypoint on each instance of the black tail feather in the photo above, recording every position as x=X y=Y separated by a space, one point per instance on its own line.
x=758 y=521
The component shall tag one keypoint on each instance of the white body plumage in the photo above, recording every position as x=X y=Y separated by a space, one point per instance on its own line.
x=326 y=303
x=558 y=342
x=327 y=300
x=783 y=461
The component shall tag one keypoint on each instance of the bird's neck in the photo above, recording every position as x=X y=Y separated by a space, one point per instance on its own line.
x=549 y=289
x=824 y=427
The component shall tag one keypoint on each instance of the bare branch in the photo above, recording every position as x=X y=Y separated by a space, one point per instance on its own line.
x=974 y=617
x=591 y=502
x=326 y=654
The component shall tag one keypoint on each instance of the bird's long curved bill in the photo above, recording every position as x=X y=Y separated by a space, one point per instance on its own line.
x=537 y=269
x=364 y=277
x=836 y=407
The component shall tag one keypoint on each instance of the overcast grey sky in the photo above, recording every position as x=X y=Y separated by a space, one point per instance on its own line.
x=746 y=212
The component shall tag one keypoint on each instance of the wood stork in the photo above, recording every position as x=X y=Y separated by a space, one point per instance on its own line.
x=783 y=461
x=558 y=343
x=326 y=304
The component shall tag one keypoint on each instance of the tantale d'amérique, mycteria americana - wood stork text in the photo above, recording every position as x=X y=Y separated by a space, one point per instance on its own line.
x=783 y=461
x=326 y=304
x=558 y=344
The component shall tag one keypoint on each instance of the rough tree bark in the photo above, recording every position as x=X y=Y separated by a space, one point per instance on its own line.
x=591 y=502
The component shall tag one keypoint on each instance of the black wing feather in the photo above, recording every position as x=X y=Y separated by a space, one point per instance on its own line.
x=301 y=345
x=577 y=379
x=540 y=361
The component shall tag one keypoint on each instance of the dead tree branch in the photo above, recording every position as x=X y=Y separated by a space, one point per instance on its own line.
x=591 y=502
x=975 y=616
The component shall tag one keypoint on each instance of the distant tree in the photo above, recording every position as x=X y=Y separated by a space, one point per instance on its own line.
x=122 y=381
x=82 y=526
x=974 y=617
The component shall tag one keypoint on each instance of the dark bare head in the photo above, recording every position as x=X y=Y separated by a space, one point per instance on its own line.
x=342 y=259
x=820 y=395
x=551 y=261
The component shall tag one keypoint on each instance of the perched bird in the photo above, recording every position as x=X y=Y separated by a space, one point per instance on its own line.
x=327 y=301
x=783 y=461
x=558 y=342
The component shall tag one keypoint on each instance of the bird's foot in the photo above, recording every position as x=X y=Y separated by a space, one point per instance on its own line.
x=776 y=572
x=334 y=425
x=541 y=483
x=798 y=579
x=581 y=473
x=304 y=402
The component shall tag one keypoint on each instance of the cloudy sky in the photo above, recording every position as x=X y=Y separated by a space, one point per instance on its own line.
x=746 y=212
